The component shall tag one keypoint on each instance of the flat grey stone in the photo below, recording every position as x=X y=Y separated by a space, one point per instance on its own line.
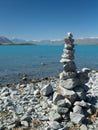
x=86 y=69
x=69 y=45
x=66 y=51
x=5 y=94
x=83 y=127
x=62 y=110
x=26 y=118
x=69 y=83
x=24 y=123
x=67 y=75
x=68 y=103
x=78 y=109
x=65 y=60
x=76 y=117
x=83 y=104
x=30 y=109
x=80 y=90
x=19 y=109
x=90 y=111
x=57 y=97
x=11 y=126
x=44 y=118
x=36 y=92
x=70 y=94
x=5 y=89
x=96 y=121
x=54 y=116
x=14 y=92
x=70 y=66
x=83 y=77
x=61 y=103
x=55 y=125
x=46 y=90
x=67 y=56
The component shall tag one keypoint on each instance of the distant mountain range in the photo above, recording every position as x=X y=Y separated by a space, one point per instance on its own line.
x=6 y=41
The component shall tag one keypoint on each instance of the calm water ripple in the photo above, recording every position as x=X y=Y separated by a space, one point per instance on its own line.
x=41 y=61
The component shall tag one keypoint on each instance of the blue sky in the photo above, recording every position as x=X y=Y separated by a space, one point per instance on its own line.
x=48 y=19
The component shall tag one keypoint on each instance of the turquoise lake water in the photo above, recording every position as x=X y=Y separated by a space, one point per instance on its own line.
x=41 y=61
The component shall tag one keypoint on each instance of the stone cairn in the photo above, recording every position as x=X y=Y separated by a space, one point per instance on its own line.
x=70 y=98
x=69 y=73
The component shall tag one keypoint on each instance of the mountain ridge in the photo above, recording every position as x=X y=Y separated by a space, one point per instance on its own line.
x=83 y=41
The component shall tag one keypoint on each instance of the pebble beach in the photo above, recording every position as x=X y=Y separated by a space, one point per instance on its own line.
x=31 y=106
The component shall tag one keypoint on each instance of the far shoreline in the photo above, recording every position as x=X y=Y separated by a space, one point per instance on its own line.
x=28 y=44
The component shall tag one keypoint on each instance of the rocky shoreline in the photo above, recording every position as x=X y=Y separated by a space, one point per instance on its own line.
x=69 y=102
x=32 y=106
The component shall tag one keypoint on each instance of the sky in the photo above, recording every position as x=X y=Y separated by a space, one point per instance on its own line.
x=48 y=19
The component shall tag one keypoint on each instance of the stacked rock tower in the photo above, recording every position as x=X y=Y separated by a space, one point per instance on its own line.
x=68 y=59
x=70 y=98
x=68 y=78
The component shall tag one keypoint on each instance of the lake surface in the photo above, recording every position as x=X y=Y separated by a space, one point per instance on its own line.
x=41 y=60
